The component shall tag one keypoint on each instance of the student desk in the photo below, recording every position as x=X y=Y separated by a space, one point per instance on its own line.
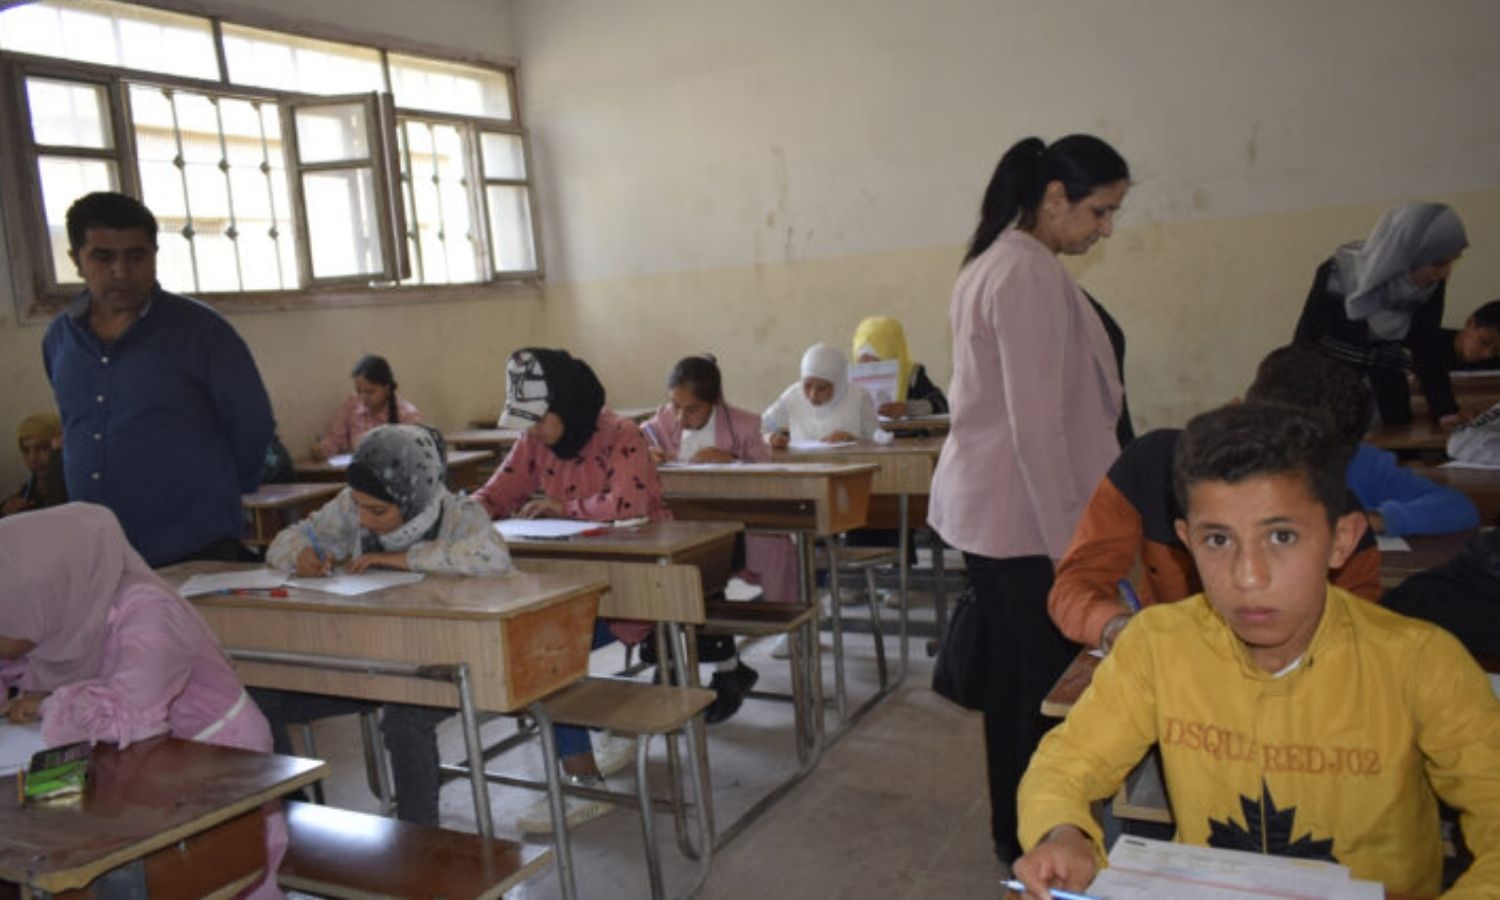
x=463 y=469
x=274 y=506
x=1419 y=438
x=1070 y=686
x=1480 y=485
x=914 y=426
x=496 y=440
x=904 y=475
x=1427 y=550
x=142 y=801
x=504 y=641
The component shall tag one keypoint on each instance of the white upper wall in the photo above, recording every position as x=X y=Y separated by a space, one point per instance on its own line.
x=473 y=27
x=673 y=135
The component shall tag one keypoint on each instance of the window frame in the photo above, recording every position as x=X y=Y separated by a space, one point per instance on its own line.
x=38 y=294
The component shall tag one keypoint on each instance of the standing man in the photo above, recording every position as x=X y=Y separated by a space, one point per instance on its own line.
x=165 y=419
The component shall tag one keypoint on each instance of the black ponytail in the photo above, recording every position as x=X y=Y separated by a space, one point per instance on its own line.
x=1082 y=162
x=376 y=370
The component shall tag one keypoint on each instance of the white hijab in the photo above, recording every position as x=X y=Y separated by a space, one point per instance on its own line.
x=844 y=412
x=1375 y=274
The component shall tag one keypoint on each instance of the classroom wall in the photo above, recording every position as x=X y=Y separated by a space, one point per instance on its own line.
x=449 y=357
x=751 y=178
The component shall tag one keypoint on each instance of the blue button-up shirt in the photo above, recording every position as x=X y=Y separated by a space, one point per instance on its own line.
x=166 y=426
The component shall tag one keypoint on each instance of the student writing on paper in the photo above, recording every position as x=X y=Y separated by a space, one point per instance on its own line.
x=697 y=425
x=39 y=437
x=1292 y=717
x=396 y=513
x=588 y=463
x=374 y=402
x=1378 y=304
x=821 y=407
x=881 y=338
x=110 y=652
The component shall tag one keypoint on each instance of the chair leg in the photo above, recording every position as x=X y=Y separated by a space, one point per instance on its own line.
x=801 y=701
x=310 y=749
x=875 y=626
x=648 y=826
x=840 y=697
x=377 y=764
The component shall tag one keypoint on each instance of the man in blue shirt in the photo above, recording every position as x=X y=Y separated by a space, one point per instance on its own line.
x=165 y=418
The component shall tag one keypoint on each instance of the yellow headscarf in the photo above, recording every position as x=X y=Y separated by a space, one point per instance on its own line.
x=883 y=334
x=39 y=426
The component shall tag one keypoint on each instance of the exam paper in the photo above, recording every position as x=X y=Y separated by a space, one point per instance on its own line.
x=1392 y=544
x=17 y=743
x=347 y=585
x=1141 y=868
x=246 y=580
x=879 y=379
x=543 y=529
x=819 y=445
x=341 y=460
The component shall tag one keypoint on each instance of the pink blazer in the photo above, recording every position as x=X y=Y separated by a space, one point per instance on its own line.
x=1035 y=396
x=771 y=557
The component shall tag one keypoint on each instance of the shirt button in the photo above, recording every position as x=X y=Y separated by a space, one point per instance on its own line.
x=104 y=359
x=95 y=476
x=100 y=398
x=98 y=436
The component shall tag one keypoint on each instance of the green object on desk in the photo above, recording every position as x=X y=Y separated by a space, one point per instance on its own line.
x=57 y=773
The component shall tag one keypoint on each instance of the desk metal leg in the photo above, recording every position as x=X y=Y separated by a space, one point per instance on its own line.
x=562 y=848
x=836 y=604
x=475 y=750
x=903 y=542
x=939 y=590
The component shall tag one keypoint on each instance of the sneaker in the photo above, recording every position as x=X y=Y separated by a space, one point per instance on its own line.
x=888 y=598
x=740 y=590
x=730 y=689
x=614 y=753
x=537 y=819
x=782 y=648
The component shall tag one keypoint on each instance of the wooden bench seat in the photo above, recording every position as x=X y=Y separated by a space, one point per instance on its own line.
x=344 y=854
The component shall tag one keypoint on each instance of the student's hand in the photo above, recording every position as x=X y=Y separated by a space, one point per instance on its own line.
x=540 y=508
x=1377 y=521
x=1111 y=632
x=395 y=560
x=1063 y=859
x=896 y=409
x=25 y=708
x=778 y=440
x=15 y=505
x=713 y=455
x=1451 y=421
x=838 y=437
x=310 y=566
x=658 y=455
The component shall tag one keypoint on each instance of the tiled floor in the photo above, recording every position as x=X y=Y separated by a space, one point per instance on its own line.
x=896 y=808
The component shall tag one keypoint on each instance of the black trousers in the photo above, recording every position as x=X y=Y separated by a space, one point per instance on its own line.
x=1026 y=655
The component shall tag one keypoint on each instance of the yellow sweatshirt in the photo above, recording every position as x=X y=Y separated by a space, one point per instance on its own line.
x=1338 y=759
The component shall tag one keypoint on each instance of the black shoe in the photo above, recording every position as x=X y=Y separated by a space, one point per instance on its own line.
x=730 y=689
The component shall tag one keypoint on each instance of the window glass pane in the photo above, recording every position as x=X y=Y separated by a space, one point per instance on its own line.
x=112 y=34
x=64 y=180
x=69 y=114
x=212 y=171
x=332 y=133
x=341 y=223
x=439 y=203
x=504 y=155
x=510 y=228
x=286 y=62
x=449 y=87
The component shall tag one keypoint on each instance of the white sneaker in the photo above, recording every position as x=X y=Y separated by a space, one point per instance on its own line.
x=537 y=819
x=614 y=753
x=888 y=598
x=740 y=590
x=782 y=649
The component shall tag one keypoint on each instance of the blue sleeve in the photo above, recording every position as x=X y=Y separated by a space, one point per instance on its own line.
x=241 y=405
x=1409 y=503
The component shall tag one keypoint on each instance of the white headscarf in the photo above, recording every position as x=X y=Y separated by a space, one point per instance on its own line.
x=846 y=411
x=1375 y=274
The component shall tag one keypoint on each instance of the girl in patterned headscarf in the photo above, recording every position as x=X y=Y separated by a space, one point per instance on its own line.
x=1378 y=305
x=396 y=513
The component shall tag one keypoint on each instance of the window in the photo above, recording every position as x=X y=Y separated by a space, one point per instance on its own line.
x=274 y=162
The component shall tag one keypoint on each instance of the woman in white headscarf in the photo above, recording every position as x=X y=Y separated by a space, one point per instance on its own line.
x=821 y=407
x=1378 y=305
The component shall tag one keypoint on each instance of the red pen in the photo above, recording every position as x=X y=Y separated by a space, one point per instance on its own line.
x=592 y=532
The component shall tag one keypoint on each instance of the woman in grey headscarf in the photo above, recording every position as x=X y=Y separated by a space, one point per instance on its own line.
x=396 y=513
x=1378 y=304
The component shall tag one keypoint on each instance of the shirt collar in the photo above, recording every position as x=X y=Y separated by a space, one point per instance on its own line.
x=78 y=307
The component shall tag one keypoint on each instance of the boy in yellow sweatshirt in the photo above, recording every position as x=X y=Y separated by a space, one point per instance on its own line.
x=1293 y=718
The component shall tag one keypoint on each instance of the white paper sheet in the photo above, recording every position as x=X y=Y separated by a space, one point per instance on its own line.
x=877 y=378
x=247 y=580
x=1495 y=683
x=1461 y=464
x=347 y=585
x=819 y=445
x=1390 y=544
x=542 y=529
x=1144 y=868
x=17 y=743
x=341 y=460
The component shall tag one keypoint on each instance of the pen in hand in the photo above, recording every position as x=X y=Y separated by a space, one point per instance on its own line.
x=1127 y=594
x=325 y=563
x=1055 y=893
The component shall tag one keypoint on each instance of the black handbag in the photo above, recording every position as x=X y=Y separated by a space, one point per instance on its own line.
x=960 y=670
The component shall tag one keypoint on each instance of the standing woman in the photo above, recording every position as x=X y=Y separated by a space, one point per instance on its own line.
x=1377 y=304
x=1035 y=397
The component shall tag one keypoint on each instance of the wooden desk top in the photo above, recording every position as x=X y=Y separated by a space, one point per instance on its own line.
x=495 y=439
x=285 y=495
x=1427 y=550
x=493 y=598
x=322 y=470
x=905 y=465
x=937 y=423
x=654 y=540
x=1070 y=686
x=141 y=799
x=1418 y=435
x=825 y=498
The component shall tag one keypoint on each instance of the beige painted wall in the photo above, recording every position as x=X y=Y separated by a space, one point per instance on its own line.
x=751 y=178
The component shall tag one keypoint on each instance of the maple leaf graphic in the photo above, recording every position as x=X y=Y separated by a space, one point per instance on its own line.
x=1276 y=825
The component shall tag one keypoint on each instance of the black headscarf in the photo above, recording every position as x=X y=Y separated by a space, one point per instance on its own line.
x=574 y=393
